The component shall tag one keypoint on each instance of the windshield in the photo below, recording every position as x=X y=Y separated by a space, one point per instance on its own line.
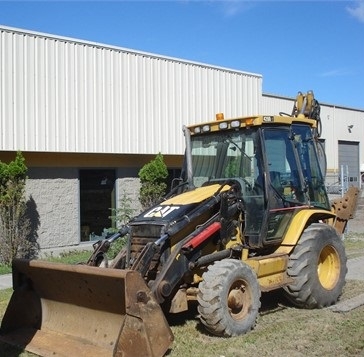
x=223 y=155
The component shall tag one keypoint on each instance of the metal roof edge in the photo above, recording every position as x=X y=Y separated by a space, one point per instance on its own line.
x=124 y=49
x=322 y=103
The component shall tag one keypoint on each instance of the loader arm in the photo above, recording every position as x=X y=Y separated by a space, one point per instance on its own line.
x=101 y=247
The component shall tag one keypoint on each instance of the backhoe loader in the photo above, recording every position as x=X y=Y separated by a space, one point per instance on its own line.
x=249 y=214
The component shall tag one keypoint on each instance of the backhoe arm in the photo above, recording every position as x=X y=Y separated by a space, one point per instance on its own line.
x=345 y=209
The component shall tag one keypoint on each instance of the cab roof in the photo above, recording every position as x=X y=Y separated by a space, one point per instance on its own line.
x=221 y=124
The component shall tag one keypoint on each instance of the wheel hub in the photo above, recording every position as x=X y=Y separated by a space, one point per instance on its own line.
x=238 y=300
x=328 y=268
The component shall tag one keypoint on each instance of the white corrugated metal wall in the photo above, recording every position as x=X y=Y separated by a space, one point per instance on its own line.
x=63 y=95
x=273 y=105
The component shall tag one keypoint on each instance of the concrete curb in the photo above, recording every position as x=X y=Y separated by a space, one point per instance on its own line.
x=355 y=268
x=348 y=305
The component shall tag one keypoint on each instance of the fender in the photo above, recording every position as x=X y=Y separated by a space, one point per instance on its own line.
x=297 y=226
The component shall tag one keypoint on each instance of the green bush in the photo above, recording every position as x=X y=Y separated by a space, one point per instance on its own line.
x=15 y=225
x=120 y=216
x=152 y=177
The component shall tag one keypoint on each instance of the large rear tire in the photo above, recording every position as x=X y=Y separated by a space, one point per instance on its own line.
x=318 y=267
x=229 y=298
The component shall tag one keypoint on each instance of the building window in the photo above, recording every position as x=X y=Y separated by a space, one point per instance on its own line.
x=97 y=197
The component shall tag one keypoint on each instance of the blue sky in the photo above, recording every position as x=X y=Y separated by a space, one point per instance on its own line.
x=295 y=45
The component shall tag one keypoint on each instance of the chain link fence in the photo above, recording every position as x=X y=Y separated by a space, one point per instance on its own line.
x=337 y=184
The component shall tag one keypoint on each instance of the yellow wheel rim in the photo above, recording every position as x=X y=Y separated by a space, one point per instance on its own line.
x=239 y=300
x=328 y=268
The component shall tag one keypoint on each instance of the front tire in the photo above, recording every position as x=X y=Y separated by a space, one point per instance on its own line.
x=229 y=298
x=318 y=267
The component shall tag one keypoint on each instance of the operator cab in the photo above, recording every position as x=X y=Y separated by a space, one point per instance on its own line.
x=276 y=167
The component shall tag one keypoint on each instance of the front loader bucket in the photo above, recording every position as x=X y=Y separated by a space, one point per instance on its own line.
x=78 y=310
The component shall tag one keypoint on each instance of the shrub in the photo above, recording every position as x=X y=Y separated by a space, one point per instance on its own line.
x=152 y=177
x=15 y=226
x=120 y=216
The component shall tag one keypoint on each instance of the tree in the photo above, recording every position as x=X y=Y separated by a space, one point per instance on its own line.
x=152 y=177
x=15 y=226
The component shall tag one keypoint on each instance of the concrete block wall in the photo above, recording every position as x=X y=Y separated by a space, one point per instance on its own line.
x=54 y=193
x=129 y=186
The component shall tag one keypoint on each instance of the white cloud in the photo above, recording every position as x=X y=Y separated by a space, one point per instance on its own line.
x=357 y=11
x=336 y=73
x=232 y=7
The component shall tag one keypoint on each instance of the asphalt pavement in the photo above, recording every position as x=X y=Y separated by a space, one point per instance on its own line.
x=6 y=281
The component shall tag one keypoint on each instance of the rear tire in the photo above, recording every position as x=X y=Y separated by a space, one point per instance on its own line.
x=229 y=298
x=318 y=267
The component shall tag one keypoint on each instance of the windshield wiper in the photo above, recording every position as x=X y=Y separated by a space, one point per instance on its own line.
x=229 y=140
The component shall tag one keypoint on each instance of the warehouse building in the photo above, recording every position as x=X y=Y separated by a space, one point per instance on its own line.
x=88 y=116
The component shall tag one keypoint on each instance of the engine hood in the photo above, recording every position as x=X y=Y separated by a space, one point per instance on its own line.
x=177 y=206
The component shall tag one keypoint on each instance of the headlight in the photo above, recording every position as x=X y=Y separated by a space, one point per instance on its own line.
x=268 y=119
x=223 y=125
x=235 y=124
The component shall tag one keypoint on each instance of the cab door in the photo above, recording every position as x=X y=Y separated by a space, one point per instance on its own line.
x=285 y=188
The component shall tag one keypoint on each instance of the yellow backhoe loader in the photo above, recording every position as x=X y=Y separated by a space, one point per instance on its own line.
x=249 y=214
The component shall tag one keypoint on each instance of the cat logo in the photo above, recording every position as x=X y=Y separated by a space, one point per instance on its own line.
x=160 y=211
